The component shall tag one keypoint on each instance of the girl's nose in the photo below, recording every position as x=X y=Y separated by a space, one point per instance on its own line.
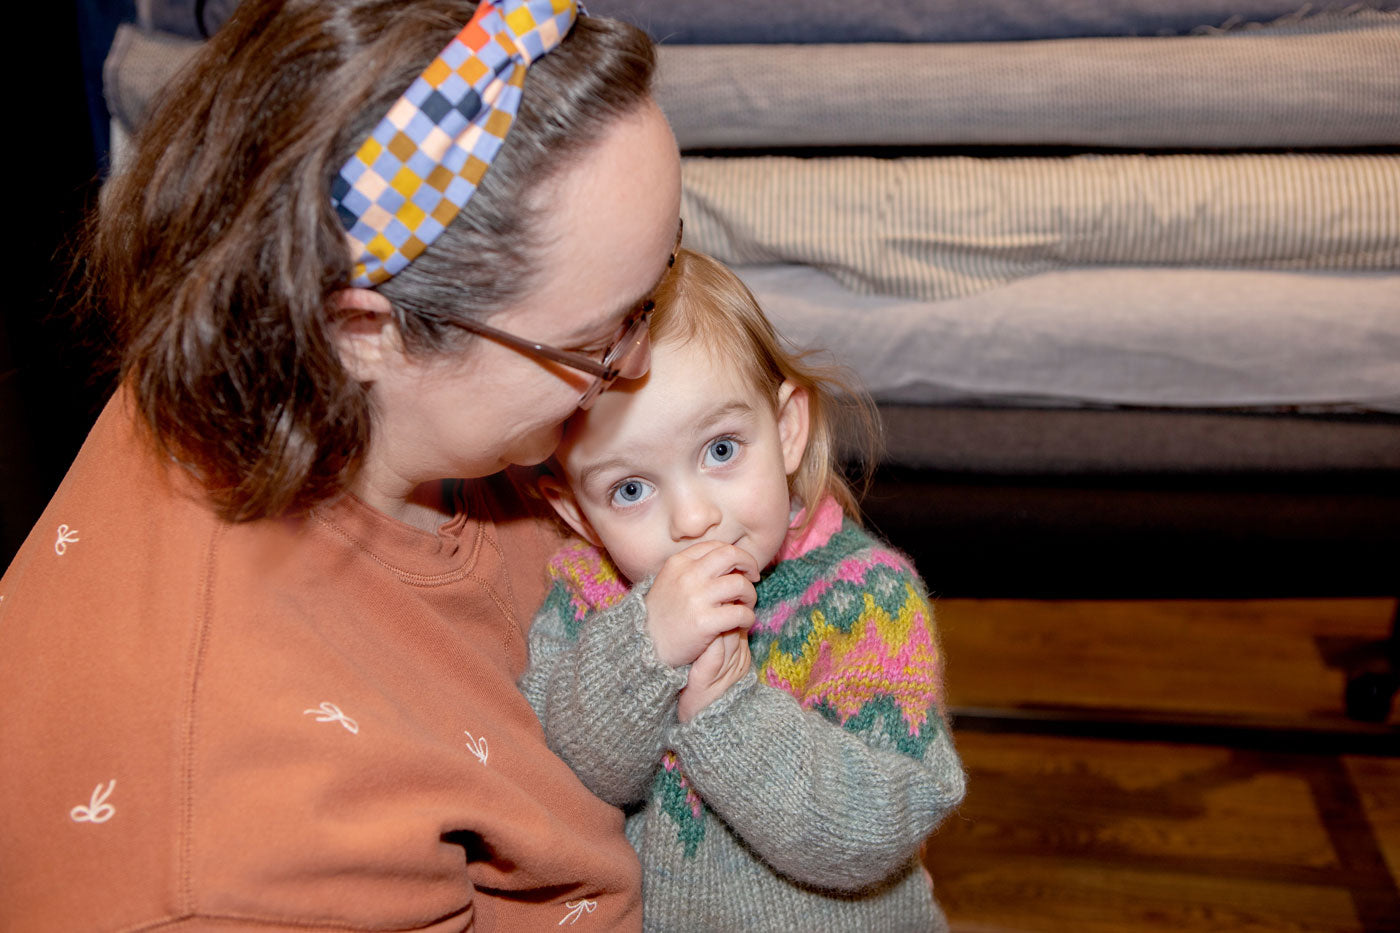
x=693 y=515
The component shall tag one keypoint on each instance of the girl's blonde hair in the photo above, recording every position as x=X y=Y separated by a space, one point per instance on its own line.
x=702 y=299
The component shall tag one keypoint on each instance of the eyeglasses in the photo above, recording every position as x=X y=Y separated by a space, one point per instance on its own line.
x=620 y=358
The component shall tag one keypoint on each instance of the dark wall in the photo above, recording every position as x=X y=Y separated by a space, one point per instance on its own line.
x=50 y=386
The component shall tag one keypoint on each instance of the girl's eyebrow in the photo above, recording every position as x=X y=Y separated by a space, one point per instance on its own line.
x=728 y=409
x=706 y=423
x=586 y=475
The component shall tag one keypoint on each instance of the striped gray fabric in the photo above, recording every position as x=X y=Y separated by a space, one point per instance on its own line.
x=935 y=228
x=1326 y=81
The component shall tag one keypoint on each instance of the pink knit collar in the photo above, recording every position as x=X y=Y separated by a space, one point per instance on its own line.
x=826 y=521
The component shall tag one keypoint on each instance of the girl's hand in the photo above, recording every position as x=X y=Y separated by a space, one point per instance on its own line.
x=699 y=594
x=719 y=667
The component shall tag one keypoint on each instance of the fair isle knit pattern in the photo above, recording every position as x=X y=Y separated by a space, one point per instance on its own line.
x=851 y=638
x=798 y=800
x=584 y=580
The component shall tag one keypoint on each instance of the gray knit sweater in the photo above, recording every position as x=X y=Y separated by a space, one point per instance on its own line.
x=799 y=799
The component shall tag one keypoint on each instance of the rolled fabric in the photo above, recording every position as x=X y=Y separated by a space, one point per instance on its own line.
x=138 y=67
x=1328 y=81
x=943 y=227
x=744 y=22
x=1178 y=338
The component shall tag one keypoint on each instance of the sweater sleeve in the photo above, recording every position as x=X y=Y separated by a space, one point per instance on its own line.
x=835 y=763
x=603 y=696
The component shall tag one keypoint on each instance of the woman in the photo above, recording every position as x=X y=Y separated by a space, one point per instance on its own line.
x=259 y=654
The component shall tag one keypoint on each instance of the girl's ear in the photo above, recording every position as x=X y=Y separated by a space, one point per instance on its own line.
x=366 y=336
x=561 y=498
x=794 y=424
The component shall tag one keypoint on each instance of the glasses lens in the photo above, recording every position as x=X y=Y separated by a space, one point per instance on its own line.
x=628 y=358
x=622 y=356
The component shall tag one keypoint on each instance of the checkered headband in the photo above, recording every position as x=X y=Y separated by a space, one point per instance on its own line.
x=424 y=160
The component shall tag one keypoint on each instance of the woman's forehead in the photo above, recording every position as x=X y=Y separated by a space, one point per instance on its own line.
x=608 y=224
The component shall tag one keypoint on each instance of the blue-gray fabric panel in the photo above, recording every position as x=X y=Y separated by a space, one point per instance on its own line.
x=822 y=21
x=1179 y=338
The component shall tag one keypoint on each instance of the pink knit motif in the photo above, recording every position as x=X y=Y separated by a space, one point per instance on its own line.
x=884 y=658
x=776 y=619
x=591 y=579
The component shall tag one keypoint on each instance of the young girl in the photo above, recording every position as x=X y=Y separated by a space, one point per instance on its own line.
x=788 y=793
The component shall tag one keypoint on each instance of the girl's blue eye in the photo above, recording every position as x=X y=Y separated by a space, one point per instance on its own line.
x=630 y=492
x=721 y=450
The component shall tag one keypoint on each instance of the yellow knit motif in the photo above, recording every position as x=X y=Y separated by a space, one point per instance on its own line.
x=882 y=654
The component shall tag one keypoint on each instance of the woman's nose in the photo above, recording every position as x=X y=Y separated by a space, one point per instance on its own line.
x=693 y=514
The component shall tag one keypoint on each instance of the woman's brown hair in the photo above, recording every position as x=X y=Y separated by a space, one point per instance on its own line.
x=217 y=252
x=702 y=299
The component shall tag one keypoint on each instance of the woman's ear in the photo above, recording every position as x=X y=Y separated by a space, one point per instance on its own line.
x=794 y=424
x=365 y=333
x=561 y=498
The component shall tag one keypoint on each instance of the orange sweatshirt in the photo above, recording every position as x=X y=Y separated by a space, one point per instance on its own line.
x=308 y=723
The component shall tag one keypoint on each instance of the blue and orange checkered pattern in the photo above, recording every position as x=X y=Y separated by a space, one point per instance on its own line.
x=424 y=160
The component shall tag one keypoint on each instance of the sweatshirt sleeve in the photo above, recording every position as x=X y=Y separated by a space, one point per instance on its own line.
x=835 y=762
x=603 y=696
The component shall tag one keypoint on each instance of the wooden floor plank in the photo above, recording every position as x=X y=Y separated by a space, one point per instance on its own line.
x=1262 y=658
x=1084 y=834
x=1377 y=781
x=1046 y=896
x=1126 y=835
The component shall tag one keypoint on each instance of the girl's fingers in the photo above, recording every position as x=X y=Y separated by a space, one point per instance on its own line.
x=724 y=559
x=699 y=550
x=732 y=588
x=731 y=616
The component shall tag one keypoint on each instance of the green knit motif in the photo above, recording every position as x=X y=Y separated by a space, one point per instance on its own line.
x=882 y=717
x=560 y=604
x=673 y=793
x=788 y=580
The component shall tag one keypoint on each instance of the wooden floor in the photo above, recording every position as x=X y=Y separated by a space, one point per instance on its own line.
x=1124 y=834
